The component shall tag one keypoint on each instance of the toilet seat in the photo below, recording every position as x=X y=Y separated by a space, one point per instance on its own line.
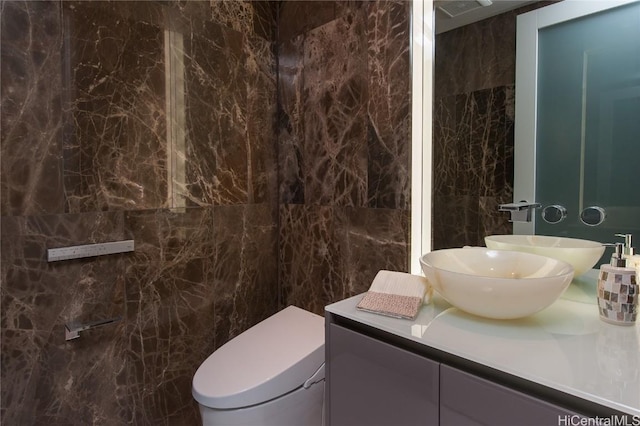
x=268 y=360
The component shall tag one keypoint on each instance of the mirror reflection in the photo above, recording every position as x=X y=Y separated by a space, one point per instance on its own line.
x=474 y=114
x=587 y=101
x=474 y=100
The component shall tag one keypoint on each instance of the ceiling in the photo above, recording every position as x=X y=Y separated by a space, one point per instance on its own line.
x=452 y=14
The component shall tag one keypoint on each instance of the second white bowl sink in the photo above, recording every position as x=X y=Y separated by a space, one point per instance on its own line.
x=581 y=254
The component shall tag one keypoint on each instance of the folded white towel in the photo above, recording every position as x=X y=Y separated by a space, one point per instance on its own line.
x=396 y=294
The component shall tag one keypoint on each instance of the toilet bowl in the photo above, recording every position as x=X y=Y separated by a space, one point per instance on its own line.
x=272 y=374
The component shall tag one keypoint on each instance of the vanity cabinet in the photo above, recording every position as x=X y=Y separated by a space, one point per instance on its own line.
x=370 y=382
x=373 y=382
x=466 y=399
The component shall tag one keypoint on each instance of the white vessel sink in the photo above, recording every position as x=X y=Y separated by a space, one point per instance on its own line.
x=496 y=283
x=581 y=254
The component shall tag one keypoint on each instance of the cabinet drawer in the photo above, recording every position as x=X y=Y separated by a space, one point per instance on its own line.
x=374 y=383
x=469 y=400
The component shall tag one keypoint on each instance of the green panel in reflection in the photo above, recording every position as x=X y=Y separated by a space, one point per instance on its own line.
x=588 y=128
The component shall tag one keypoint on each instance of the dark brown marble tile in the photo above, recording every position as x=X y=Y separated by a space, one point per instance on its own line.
x=146 y=361
x=445 y=147
x=86 y=369
x=170 y=311
x=290 y=122
x=265 y=19
x=389 y=105
x=38 y=298
x=117 y=152
x=491 y=141
x=492 y=221
x=253 y=18
x=346 y=7
x=311 y=271
x=455 y=221
x=476 y=56
x=328 y=254
x=245 y=279
x=456 y=164
x=20 y=368
x=216 y=114
x=473 y=130
x=45 y=378
x=343 y=146
x=334 y=104
x=297 y=17
x=371 y=240
x=260 y=128
x=237 y=15
x=468 y=133
x=38 y=295
x=473 y=160
x=200 y=275
x=30 y=109
x=115 y=139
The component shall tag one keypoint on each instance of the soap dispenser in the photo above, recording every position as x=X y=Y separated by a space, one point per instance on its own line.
x=631 y=258
x=618 y=290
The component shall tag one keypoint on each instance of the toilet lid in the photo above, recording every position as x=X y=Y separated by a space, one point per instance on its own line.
x=268 y=360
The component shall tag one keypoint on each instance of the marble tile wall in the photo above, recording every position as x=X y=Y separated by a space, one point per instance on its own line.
x=343 y=146
x=151 y=121
x=474 y=102
x=158 y=122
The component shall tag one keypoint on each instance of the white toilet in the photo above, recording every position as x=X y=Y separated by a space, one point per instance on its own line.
x=272 y=374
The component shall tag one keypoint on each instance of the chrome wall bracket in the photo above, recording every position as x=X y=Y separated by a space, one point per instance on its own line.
x=554 y=214
x=72 y=329
x=593 y=216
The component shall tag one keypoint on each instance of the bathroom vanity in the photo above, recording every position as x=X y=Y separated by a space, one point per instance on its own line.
x=560 y=366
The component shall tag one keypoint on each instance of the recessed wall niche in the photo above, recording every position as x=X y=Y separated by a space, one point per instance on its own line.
x=137 y=107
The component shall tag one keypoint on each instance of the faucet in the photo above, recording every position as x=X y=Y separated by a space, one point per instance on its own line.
x=520 y=212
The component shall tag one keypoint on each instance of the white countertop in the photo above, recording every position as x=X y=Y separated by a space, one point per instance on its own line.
x=565 y=346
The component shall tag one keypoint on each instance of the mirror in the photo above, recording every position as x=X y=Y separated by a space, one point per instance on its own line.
x=474 y=112
x=577 y=100
x=474 y=98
